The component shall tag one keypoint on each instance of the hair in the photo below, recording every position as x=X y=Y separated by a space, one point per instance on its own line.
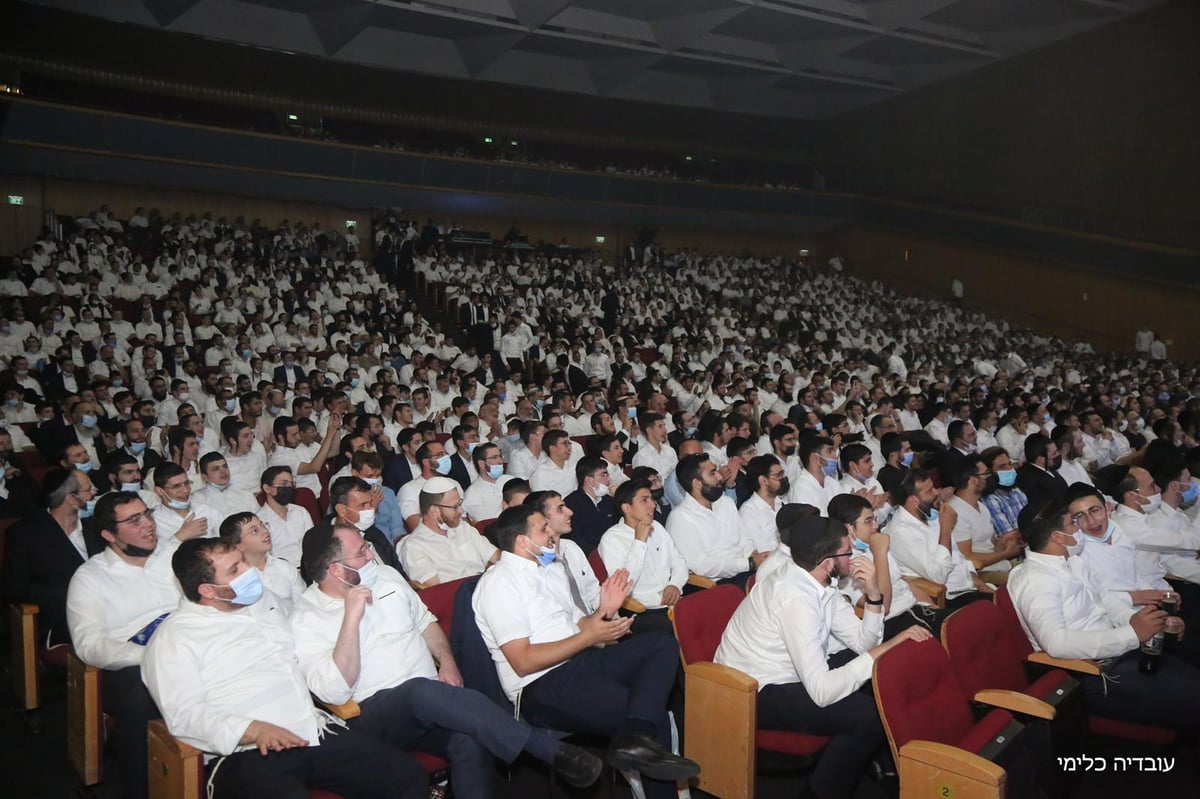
x=1036 y=446
x=908 y=486
x=626 y=492
x=954 y=430
x=482 y=453
x=812 y=540
x=1037 y=527
x=517 y=485
x=647 y=473
x=58 y=485
x=846 y=508
x=339 y=491
x=1077 y=491
x=649 y=418
x=423 y=453
x=780 y=431
x=513 y=522
x=405 y=436
x=737 y=446
x=811 y=445
x=193 y=563
x=177 y=436
x=688 y=470
x=1124 y=486
x=540 y=499
x=231 y=528
x=891 y=442
x=316 y=561
x=119 y=458
x=877 y=423
x=426 y=500
x=280 y=426
x=209 y=458
x=554 y=437
x=528 y=429
x=268 y=476
x=587 y=466
x=165 y=471
x=105 y=516
x=964 y=470
x=1062 y=437
x=363 y=458
x=853 y=453
x=758 y=469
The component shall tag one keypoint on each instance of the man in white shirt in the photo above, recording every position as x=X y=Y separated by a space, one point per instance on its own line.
x=443 y=546
x=483 y=499
x=254 y=712
x=362 y=634
x=1065 y=615
x=287 y=453
x=247 y=532
x=434 y=461
x=177 y=512
x=706 y=528
x=115 y=602
x=783 y=634
x=1070 y=446
x=923 y=544
x=286 y=521
x=543 y=642
x=525 y=459
x=643 y=547
x=653 y=449
x=556 y=472
x=768 y=480
x=818 y=481
x=219 y=492
x=973 y=531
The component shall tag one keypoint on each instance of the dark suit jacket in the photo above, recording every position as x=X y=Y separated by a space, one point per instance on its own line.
x=1040 y=485
x=39 y=561
x=591 y=519
x=460 y=470
x=396 y=472
x=281 y=373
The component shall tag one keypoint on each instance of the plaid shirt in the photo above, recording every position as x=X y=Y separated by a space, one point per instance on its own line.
x=1005 y=504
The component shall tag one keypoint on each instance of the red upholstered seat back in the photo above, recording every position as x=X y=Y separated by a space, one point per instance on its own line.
x=440 y=601
x=700 y=620
x=983 y=652
x=918 y=695
x=1010 y=625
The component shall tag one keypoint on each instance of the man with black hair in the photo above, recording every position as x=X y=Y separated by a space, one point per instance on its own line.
x=780 y=635
x=818 y=482
x=115 y=602
x=972 y=528
x=1039 y=477
x=433 y=460
x=923 y=543
x=362 y=634
x=898 y=458
x=254 y=713
x=594 y=510
x=252 y=538
x=706 y=528
x=352 y=502
x=286 y=453
x=543 y=642
x=286 y=521
x=881 y=424
x=1073 y=469
x=769 y=481
x=219 y=492
x=1066 y=615
x=177 y=512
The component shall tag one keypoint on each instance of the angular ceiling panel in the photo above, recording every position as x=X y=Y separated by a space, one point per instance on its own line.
x=804 y=59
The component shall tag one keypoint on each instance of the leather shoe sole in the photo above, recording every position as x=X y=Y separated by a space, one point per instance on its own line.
x=578 y=767
x=645 y=756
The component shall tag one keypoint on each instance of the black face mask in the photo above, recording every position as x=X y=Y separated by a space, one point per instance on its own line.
x=712 y=493
x=785 y=485
x=149 y=421
x=658 y=493
x=1055 y=465
x=285 y=495
x=789 y=451
x=132 y=550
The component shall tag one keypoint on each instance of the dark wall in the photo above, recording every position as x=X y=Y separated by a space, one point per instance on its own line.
x=1106 y=123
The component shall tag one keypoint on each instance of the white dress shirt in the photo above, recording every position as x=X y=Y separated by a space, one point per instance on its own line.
x=483 y=499
x=391 y=648
x=549 y=477
x=758 y=522
x=808 y=491
x=572 y=559
x=653 y=564
x=287 y=535
x=902 y=596
x=784 y=632
x=662 y=461
x=293 y=457
x=213 y=672
x=710 y=539
x=228 y=502
x=1063 y=614
x=282 y=579
x=409 y=496
x=518 y=599
x=914 y=543
x=109 y=601
x=975 y=525
x=1074 y=472
x=168 y=521
x=779 y=557
x=460 y=552
x=245 y=471
x=522 y=462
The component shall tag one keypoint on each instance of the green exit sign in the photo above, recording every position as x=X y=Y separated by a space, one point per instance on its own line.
x=16 y=199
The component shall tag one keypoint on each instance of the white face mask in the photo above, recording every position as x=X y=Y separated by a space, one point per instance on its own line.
x=1074 y=549
x=601 y=490
x=1151 y=503
x=366 y=518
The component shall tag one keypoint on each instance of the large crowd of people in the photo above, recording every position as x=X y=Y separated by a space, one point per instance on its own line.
x=221 y=438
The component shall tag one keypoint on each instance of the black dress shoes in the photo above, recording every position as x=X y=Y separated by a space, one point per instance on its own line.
x=578 y=767
x=646 y=756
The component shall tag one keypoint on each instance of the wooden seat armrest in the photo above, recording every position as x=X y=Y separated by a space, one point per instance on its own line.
x=633 y=606
x=349 y=710
x=726 y=676
x=1077 y=665
x=157 y=729
x=1015 y=702
x=955 y=760
x=936 y=591
x=700 y=581
x=27 y=609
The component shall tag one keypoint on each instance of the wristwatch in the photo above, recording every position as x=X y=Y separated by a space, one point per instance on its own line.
x=869 y=601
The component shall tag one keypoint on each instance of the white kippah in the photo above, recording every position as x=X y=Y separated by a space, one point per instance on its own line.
x=439 y=485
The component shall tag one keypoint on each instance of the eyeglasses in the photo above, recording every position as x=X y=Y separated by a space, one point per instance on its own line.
x=455 y=506
x=368 y=549
x=1094 y=512
x=845 y=554
x=984 y=475
x=138 y=518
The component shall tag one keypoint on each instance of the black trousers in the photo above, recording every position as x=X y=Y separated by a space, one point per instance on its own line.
x=126 y=699
x=962 y=600
x=351 y=764
x=1169 y=698
x=620 y=689
x=852 y=723
x=927 y=617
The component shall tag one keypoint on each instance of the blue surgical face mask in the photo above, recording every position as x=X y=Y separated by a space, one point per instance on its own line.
x=495 y=471
x=88 y=509
x=631 y=412
x=354 y=382
x=545 y=556
x=443 y=465
x=247 y=588
x=84 y=467
x=230 y=405
x=89 y=420
x=539 y=404
x=1112 y=528
x=503 y=395
x=514 y=438
x=368 y=573
x=471 y=447
x=1190 y=494
x=861 y=546
x=907 y=458
x=179 y=504
x=829 y=466
x=818 y=427
x=13 y=402
x=137 y=447
x=1007 y=478
x=131 y=488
